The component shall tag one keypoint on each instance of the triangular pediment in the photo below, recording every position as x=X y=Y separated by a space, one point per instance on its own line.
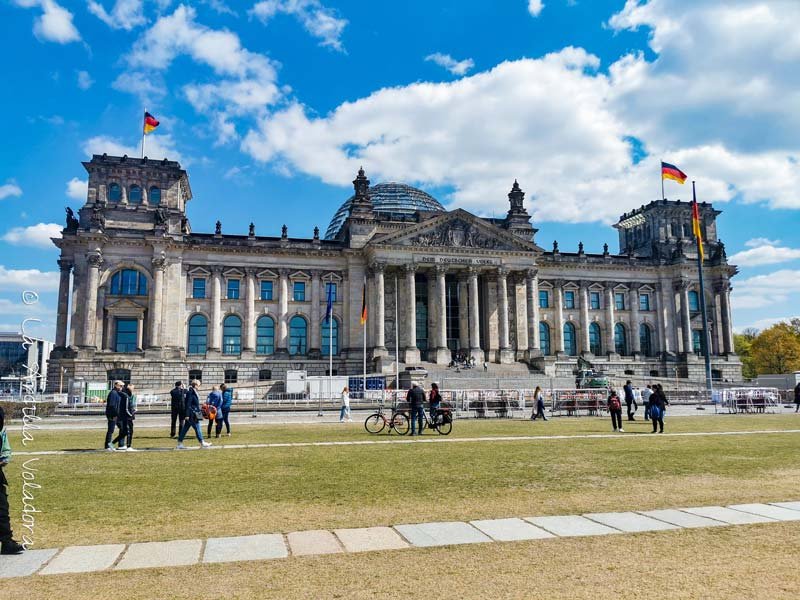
x=124 y=304
x=456 y=229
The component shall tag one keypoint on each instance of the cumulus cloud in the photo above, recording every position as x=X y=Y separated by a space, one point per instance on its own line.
x=55 y=22
x=146 y=86
x=10 y=308
x=760 y=241
x=37 y=235
x=767 y=252
x=29 y=279
x=765 y=323
x=158 y=147
x=126 y=14
x=766 y=290
x=318 y=20
x=77 y=188
x=9 y=189
x=456 y=67
x=85 y=80
x=535 y=7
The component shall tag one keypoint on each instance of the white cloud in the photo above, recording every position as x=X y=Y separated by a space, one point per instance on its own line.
x=9 y=308
x=760 y=241
x=85 y=80
x=764 y=323
x=535 y=7
x=451 y=64
x=77 y=188
x=143 y=85
x=158 y=147
x=29 y=279
x=9 y=189
x=126 y=14
x=220 y=7
x=765 y=253
x=37 y=235
x=55 y=22
x=766 y=290
x=318 y=20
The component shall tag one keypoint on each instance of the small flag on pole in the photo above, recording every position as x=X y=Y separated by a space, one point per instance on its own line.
x=669 y=171
x=696 y=229
x=364 y=304
x=329 y=309
x=150 y=123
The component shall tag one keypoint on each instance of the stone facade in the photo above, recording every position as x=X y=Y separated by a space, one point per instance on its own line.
x=154 y=300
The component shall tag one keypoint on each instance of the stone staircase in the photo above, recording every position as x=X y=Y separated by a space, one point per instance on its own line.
x=512 y=376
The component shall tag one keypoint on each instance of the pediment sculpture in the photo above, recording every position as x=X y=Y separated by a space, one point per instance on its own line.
x=456 y=234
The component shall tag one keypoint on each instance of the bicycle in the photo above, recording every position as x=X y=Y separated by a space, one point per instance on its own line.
x=377 y=422
x=442 y=422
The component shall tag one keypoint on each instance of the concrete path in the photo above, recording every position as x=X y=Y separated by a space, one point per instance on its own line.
x=87 y=559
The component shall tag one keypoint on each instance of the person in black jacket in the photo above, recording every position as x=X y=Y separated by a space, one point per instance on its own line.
x=113 y=401
x=178 y=405
x=658 y=403
x=797 y=397
x=193 y=416
x=630 y=400
x=416 y=400
x=7 y=543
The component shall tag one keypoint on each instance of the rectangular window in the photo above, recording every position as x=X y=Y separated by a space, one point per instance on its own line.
x=266 y=290
x=196 y=374
x=619 y=301
x=264 y=374
x=569 y=299
x=127 y=335
x=594 y=299
x=299 y=294
x=544 y=299
x=332 y=287
x=233 y=289
x=231 y=375
x=644 y=301
x=199 y=287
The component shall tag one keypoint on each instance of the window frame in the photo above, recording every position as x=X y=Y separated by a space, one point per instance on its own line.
x=569 y=332
x=619 y=301
x=298 y=293
x=324 y=328
x=644 y=301
x=544 y=340
x=623 y=344
x=231 y=341
x=114 y=188
x=196 y=335
x=150 y=195
x=297 y=343
x=335 y=291
x=594 y=300
x=595 y=344
x=569 y=299
x=128 y=346
x=138 y=188
x=261 y=338
x=234 y=285
x=694 y=306
x=195 y=281
x=544 y=299
x=120 y=284
x=262 y=289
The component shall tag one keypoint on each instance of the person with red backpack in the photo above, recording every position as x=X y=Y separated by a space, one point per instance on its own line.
x=615 y=410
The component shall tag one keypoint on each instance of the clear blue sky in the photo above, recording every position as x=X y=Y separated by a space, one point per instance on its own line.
x=273 y=105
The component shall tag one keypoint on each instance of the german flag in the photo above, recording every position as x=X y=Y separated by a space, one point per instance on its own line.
x=669 y=171
x=698 y=235
x=364 y=303
x=150 y=123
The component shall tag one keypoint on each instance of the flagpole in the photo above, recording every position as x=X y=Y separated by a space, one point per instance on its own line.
x=663 y=196
x=706 y=354
x=143 y=134
x=365 y=340
x=396 y=341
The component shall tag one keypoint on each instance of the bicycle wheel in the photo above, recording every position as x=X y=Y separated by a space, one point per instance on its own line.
x=445 y=427
x=400 y=423
x=375 y=423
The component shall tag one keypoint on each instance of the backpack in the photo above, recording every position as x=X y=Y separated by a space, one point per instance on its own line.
x=614 y=403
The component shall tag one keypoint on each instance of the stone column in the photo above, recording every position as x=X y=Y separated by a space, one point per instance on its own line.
x=154 y=318
x=686 y=317
x=216 y=310
x=411 y=352
x=442 y=351
x=316 y=318
x=283 y=312
x=558 y=326
x=670 y=320
x=63 y=303
x=635 y=343
x=380 y=309
x=610 y=347
x=463 y=311
x=94 y=259
x=506 y=354
x=660 y=341
x=140 y=332
x=474 y=317
x=727 y=330
x=532 y=285
x=520 y=312
x=250 y=310
x=344 y=297
x=585 y=346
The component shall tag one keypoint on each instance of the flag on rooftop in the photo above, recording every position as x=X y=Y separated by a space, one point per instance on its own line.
x=669 y=171
x=150 y=123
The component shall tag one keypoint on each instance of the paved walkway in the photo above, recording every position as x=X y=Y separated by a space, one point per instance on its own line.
x=433 y=439
x=87 y=559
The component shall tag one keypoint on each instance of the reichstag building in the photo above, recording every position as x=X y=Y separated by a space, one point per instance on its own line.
x=144 y=297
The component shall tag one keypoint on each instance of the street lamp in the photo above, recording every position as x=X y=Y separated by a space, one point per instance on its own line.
x=61 y=380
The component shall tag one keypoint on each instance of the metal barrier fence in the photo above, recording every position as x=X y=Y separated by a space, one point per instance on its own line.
x=748 y=400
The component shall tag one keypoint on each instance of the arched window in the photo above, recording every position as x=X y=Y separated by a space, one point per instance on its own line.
x=134 y=195
x=154 y=197
x=265 y=335
x=128 y=282
x=544 y=338
x=232 y=335
x=330 y=337
x=198 y=336
x=620 y=343
x=114 y=192
x=595 y=341
x=697 y=341
x=645 y=341
x=298 y=329
x=694 y=301
x=570 y=347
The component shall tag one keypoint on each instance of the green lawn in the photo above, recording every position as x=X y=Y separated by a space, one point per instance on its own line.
x=105 y=497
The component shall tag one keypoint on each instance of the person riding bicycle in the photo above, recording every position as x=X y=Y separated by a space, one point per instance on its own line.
x=416 y=400
x=435 y=398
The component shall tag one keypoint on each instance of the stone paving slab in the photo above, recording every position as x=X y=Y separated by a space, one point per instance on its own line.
x=511 y=530
x=682 y=519
x=319 y=541
x=442 y=534
x=630 y=522
x=571 y=525
x=772 y=512
x=27 y=563
x=789 y=505
x=366 y=539
x=84 y=559
x=161 y=554
x=247 y=547
x=727 y=515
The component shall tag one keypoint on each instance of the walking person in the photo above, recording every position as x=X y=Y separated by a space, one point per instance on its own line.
x=113 y=402
x=416 y=400
x=797 y=397
x=193 y=416
x=435 y=399
x=127 y=410
x=177 y=406
x=538 y=397
x=615 y=410
x=630 y=400
x=658 y=406
x=227 y=403
x=344 y=412
x=646 y=393
x=7 y=543
x=214 y=403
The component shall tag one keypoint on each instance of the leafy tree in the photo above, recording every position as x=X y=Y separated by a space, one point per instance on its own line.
x=776 y=350
x=742 y=345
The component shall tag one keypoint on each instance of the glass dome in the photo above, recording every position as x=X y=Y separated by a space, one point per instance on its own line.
x=393 y=198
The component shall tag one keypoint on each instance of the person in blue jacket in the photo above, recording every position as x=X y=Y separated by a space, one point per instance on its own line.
x=193 y=416
x=222 y=416
x=214 y=399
